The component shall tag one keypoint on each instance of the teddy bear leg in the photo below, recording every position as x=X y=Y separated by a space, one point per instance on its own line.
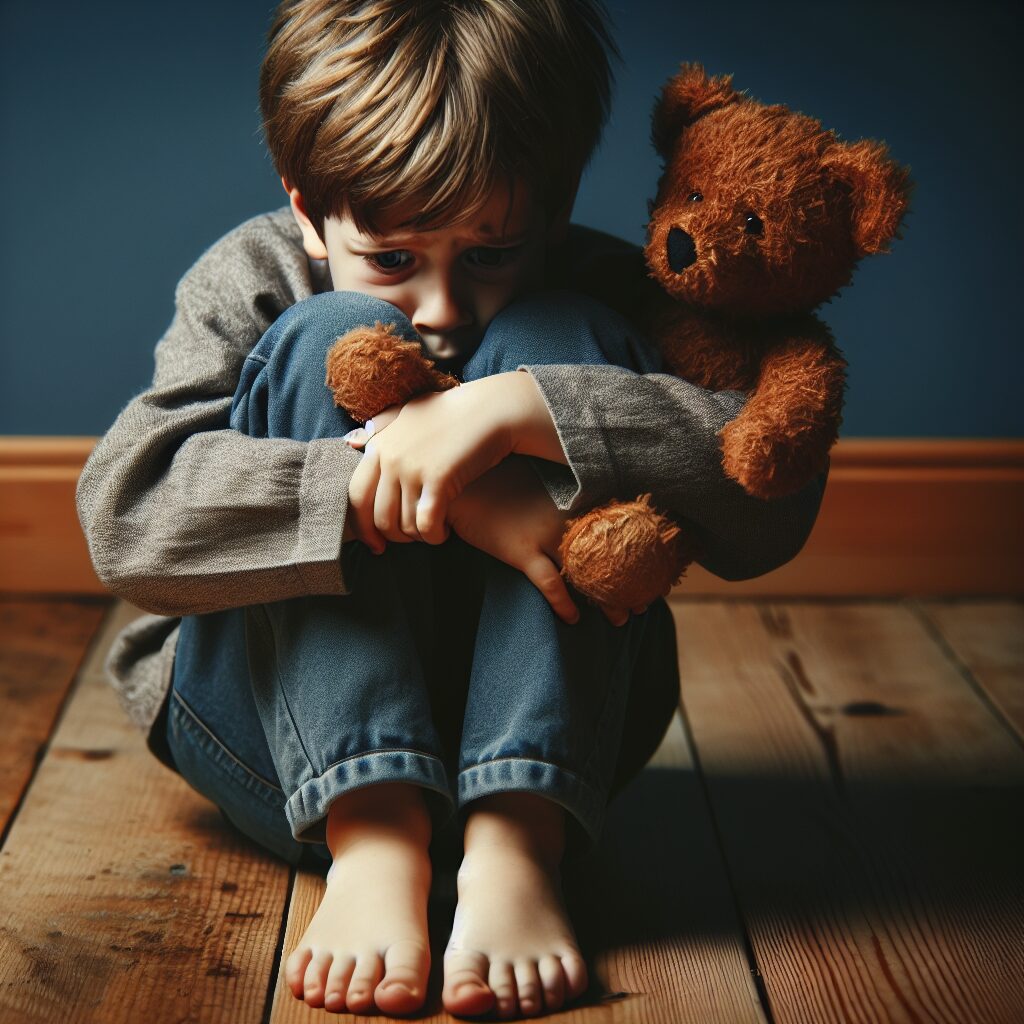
x=624 y=554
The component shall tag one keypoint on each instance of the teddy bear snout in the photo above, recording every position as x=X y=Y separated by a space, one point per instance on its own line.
x=682 y=252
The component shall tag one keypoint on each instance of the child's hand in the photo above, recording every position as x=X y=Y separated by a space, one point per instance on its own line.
x=420 y=458
x=509 y=514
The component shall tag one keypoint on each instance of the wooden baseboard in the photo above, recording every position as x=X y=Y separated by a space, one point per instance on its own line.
x=924 y=517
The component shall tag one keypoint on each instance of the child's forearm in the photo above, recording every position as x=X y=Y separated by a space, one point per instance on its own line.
x=531 y=428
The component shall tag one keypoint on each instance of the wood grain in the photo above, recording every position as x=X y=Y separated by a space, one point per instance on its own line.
x=42 y=644
x=125 y=897
x=652 y=910
x=987 y=638
x=869 y=805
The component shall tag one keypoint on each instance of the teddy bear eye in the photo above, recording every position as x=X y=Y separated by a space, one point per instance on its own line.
x=753 y=224
x=695 y=197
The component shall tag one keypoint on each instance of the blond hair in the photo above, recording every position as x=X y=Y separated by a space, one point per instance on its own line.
x=371 y=106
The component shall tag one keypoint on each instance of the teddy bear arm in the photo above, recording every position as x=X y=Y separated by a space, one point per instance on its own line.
x=372 y=368
x=781 y=438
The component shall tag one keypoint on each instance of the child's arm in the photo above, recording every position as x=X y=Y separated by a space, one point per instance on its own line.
x=598 y=432
x=620 y=434
x=184 y=515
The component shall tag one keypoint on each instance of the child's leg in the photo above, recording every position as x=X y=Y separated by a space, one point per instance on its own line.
x=339 y=688
x=542 y=731
x=566 y=689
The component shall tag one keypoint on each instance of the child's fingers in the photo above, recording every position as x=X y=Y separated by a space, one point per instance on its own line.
x=387 y=508
x=357 y=437
x=431 y=517
x=543 y=574
x=361 y=492
x=410 y=515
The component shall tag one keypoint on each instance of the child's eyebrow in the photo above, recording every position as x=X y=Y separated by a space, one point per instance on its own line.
x=484 y=233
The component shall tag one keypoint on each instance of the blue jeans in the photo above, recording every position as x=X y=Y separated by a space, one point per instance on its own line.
x=443 y=667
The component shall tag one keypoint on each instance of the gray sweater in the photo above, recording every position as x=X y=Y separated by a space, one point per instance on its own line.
x=184 y=515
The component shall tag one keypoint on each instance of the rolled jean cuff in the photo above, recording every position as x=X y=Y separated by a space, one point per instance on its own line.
x=307 y=808
x=523 y=774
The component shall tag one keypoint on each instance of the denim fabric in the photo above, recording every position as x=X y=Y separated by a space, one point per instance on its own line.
x=443 y=667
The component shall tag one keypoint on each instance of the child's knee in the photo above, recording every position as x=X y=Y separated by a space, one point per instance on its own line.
x=310 y=327
x=282 y=390
x=557 y=326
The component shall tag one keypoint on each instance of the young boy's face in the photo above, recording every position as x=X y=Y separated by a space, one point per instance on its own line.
x=450 y=282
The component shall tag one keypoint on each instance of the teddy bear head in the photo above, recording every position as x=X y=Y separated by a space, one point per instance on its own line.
x=760 y=211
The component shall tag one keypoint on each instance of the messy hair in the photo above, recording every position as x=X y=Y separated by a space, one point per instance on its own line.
x=375 y=106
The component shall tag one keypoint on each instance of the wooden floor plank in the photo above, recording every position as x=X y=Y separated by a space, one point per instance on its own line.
x=652 y=909
x=125 y=897
x=869 y=803
x=42 y=644
x=987 y=637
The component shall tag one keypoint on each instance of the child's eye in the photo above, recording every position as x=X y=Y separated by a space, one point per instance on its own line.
x=490 y=258
x=389 y=262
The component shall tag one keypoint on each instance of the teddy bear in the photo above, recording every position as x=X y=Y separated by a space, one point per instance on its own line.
x=761 y=215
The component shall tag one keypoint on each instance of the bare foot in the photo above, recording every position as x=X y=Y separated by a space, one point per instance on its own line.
x=512 y=944
x=367 y=944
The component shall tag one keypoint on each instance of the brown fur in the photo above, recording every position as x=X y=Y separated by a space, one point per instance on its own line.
x=628 y=551
x=370 y=368
x=738 y=317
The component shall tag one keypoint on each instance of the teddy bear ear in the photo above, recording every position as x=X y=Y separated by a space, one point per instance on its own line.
x=880 y=189
x=688 y=94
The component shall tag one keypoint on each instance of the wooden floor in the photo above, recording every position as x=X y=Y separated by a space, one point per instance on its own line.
x=832 y=831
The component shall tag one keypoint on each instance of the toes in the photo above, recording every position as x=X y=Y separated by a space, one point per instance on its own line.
x=365 y=978
x=337 y=982
x=552 y=979
x=316 y=978
x=528 y=987
x=502 y=981
x=295 y=969
x=465 y=986
x=407 y=965
x=575 y=974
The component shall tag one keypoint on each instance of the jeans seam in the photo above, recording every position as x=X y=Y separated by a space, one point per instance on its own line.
x=284 y=696
x=220 y=746
x=602 y=720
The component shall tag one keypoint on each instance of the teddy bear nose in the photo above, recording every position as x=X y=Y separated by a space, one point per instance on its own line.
x=681 y=250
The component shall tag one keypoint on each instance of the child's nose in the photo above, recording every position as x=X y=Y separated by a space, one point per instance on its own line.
x=441 y=311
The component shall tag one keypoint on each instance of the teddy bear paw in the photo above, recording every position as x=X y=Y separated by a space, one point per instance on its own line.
x=372 y=368
x=625 y=554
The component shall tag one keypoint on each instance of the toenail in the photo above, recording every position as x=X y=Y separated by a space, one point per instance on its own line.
x=333 y=999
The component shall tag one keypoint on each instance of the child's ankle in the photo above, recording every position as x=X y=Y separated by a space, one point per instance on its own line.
x=520 y=820
x=392 y=811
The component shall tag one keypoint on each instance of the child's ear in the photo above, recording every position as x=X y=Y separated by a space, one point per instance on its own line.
x=880 y=189
x=311 y=240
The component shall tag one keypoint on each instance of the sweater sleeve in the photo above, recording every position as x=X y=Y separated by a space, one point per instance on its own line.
x=184 y=515
x=626 y=433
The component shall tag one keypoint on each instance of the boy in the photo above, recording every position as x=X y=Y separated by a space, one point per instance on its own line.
x=431 y=155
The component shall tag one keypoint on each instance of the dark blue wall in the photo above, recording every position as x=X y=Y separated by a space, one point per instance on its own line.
x=130 y=141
